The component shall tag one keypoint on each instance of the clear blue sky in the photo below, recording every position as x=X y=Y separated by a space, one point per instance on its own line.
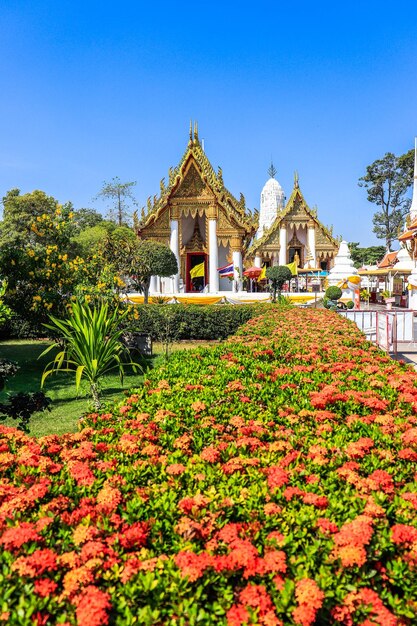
x=92 y=90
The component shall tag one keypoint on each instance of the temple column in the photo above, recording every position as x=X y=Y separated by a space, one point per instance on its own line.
x=311 y=240
x=174 y=244
x=236 y=247
x=283 y=245
x=213 y=257
x=258 y=261
x=153 y=287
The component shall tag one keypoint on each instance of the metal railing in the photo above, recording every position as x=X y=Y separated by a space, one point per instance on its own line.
x=388 y=329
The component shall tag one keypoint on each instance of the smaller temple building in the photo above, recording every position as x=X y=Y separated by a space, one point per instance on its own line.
x=291 y=232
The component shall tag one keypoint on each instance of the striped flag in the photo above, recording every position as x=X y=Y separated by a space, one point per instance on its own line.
x=226 y=270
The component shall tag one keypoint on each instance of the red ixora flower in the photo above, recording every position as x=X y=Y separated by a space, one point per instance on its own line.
x=13 y=538
x=175 y=469
x=44 y=587
x=36 y=564
x=92 y=607
x=310 y=599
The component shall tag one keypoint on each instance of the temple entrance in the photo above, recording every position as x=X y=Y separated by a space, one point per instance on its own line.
x=196 y=283
x=293 y=253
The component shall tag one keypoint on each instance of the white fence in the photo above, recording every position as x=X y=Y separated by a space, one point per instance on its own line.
x=388 y=329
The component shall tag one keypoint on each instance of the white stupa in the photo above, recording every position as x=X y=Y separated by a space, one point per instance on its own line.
x=343 y=266
x=272 y=201
x=404 y=261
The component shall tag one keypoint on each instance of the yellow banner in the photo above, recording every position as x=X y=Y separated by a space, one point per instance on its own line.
x=198 y=270
x=262 y=275
x=293 y=267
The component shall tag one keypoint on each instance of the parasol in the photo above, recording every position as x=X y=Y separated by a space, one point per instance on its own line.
x=252 y=272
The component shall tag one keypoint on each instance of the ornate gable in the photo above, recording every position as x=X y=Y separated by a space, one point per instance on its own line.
x=191 y=186
x=194 y=187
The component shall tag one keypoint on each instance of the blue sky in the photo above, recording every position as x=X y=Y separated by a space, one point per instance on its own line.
x=92 y=90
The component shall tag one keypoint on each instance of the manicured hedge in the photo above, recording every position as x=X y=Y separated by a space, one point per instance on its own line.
x=195 y=322
x=269 y=480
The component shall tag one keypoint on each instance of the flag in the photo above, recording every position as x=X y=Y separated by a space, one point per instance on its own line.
x=226 y=270
x=262 y=275
x=197 y=270
x=293 y=267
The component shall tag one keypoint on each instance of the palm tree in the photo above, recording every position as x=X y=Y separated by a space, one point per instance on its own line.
x=92 y=346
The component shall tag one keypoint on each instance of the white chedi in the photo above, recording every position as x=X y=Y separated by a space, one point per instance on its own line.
x=404 y=260
x=272 y=201
x=343 y=266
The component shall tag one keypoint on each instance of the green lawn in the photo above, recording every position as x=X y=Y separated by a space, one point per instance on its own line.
x=66 y=407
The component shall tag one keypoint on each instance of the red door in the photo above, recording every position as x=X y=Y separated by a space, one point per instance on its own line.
x=195 y=285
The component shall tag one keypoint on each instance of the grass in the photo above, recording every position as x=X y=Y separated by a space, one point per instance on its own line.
x=67 y=406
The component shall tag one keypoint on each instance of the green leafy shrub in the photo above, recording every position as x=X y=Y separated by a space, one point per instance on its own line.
x=7 y=370
x=189 y=321
x=277 y=276
x=350 y=304
x=333 y=293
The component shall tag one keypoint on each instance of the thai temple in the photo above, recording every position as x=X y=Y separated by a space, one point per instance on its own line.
x=213 y=234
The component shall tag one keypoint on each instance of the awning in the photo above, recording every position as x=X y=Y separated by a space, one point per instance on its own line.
x=383 y=272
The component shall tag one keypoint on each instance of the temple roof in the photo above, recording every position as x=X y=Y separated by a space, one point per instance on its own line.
x=389 y=260
x=194 y=163
x=295 y=203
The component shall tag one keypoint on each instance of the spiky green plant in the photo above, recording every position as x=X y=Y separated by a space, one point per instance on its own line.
x=92 y=346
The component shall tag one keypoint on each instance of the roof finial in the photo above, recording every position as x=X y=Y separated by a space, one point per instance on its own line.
x=191 y=130
x=272 y=170
x=196 y=132
x=296 y=180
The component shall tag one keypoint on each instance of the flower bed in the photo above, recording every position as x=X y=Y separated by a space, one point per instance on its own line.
x=269 y=480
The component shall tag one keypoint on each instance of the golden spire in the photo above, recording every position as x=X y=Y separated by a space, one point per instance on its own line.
x=296 y=179
x=196 y=132
x=191 y=133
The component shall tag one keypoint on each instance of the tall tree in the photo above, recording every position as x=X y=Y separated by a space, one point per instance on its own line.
x=386 y=182
x=121 y=197
x=151 y=259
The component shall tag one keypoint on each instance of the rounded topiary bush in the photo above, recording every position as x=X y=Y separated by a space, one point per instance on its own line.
x=333 y=293
x=350 y=304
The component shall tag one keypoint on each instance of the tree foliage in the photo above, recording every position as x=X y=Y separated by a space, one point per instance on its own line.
x=86 y=218
x=34 y=217
x=121 y=198
x=153 y=259
x=277 y=276
x=386 y=182
x=366 y=256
